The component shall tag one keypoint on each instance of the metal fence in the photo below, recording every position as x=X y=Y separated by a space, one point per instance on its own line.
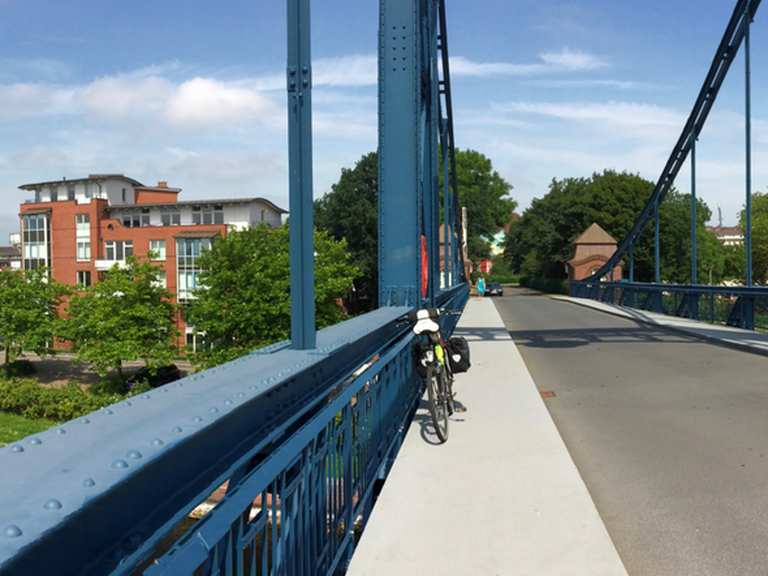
x=738 y=306
x=296 y=441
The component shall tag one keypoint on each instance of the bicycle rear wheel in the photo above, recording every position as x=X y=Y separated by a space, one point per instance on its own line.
x=438 y=402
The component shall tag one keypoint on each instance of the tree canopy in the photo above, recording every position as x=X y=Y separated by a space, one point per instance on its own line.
x=126 y=316
x=29 y=303
x=350 y=211
x=539 y=244
x=243 y=298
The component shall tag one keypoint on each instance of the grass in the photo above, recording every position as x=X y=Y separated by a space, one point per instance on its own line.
x=14 y=427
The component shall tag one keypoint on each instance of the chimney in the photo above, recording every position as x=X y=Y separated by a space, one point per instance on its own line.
x=162 y=184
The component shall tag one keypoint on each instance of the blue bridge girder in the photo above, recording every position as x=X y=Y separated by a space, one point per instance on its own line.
x=689 y=299
x=298 y=435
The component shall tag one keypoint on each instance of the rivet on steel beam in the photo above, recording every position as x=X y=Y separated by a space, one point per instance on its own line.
x=89 y=483
x=157 y=442
x=134 y=454
x=129 y=403
x=36 y=441
x=228 y=402
x=197 y=419
x=61 y=431
x=146 y=396
x=119 y=464
x=177 y=429
x=214 y=410
x=85 y=421
x=108 y=411
x=52 y=504
x=17 y=448
x=12 y=531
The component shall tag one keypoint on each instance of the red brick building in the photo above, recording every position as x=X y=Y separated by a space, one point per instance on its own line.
x=80 y=228
x=591 y=250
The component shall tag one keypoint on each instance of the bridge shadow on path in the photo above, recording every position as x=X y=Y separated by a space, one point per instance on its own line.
x=576 y=337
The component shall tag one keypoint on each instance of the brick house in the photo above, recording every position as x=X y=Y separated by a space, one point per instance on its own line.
x=80 y=228
x=591 y=250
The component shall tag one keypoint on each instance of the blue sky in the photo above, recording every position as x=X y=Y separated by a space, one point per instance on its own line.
x=192 y=92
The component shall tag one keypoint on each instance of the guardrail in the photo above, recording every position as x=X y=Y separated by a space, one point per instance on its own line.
x=740 y=306
x=297 y=441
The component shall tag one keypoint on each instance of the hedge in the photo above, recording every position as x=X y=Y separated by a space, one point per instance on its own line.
x=550 y=285
x=27 y=398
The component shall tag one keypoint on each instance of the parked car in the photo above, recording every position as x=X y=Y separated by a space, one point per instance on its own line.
x=494 y=289
x=163 y=375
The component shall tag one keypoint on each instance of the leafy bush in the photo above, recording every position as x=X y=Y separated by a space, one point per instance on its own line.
x=27 y=398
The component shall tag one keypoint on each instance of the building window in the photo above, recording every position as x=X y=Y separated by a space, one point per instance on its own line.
x=208 y=215
x=188 y=251
x=36 y=234
x=118 y=250
x=161 y=280
x=170 y=218
x=263 y=212
x=124 y=196
x=83 y=225
x=71 y=193
x=54 y=194
x=83 y=250
x=157 y=247
x=145 y=216
x=84 y=278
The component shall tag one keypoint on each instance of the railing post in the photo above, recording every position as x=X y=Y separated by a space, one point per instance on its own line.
x=299 y=84
x=748 y=137
x=694 y=248
x=632 y=262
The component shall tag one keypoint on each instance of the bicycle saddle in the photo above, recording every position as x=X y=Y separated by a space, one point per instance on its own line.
x=425 y=320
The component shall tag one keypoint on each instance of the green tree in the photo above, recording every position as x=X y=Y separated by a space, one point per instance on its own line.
x=243 y=301
x=485 y=194
x=29 y=303
x=759 y=238
x=540 y=243
x=350 y=211
x=125 y=316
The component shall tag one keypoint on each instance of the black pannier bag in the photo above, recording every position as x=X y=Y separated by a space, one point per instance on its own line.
x=458 y=354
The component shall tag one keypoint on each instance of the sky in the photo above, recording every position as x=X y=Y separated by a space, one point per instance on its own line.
x=192 y=92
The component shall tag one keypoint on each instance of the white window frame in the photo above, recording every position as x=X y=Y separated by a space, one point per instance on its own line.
x=158 y=247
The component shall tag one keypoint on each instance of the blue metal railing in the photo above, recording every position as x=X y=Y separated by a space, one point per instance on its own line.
x=299 y=439
x=739 y=306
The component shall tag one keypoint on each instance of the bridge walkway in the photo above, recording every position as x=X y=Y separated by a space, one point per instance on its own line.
x=667 y=430
x=502 y=497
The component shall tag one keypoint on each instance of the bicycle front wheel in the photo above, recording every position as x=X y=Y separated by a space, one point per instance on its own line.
x=438 y=401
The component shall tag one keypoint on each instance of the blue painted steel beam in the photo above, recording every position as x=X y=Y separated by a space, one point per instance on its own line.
x=729 y=45
x=748 y=147
x=656 y=244
x=694 y=226
x=108 y=487
x=299 y=84
x=399 y=177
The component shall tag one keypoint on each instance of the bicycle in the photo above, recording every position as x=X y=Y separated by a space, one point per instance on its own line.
x=434 y=365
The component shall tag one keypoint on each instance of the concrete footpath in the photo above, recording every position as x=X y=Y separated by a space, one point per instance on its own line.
x=746 y=340
x=502 y=497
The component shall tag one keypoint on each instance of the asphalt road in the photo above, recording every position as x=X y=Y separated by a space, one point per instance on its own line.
x=669 y=433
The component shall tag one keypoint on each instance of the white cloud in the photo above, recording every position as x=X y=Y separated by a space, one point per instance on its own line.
x=645 y=119
x=204 y=101
x=568 y=59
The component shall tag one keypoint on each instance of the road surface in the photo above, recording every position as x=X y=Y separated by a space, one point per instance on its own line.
x=669 y=433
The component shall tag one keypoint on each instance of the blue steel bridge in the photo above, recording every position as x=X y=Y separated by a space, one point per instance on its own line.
x=317 y=447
